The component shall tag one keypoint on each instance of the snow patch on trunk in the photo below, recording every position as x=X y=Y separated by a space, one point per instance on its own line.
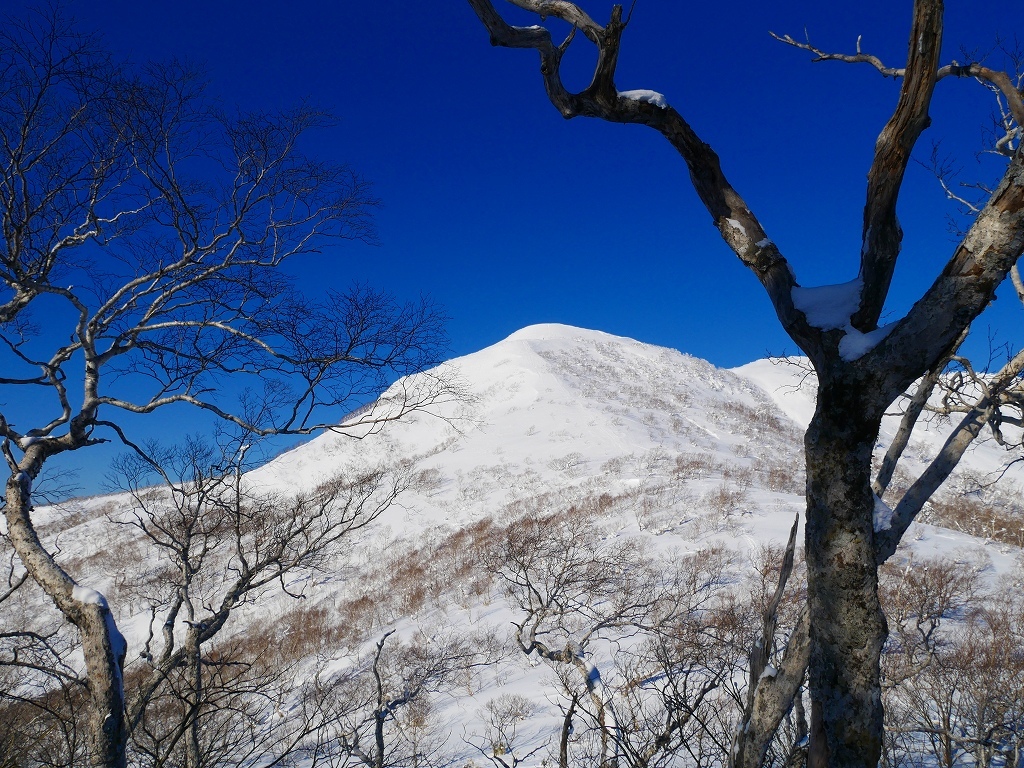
x=855 y=344
x=737 y=226
x=651 y=97
x=89 y=596
x=882 y=515
x=769 y=673
x=830 y=307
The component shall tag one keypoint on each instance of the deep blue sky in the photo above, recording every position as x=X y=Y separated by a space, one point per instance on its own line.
x=508 y=215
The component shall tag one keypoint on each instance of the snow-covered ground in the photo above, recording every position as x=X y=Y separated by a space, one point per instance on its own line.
x=657 y=446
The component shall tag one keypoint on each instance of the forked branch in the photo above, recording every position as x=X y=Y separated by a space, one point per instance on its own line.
x=881 y=231
x=737 y=224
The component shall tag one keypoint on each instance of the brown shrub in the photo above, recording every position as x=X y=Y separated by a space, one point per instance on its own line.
x=976 y=518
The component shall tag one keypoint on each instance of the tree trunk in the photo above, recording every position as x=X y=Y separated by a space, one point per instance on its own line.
x=193 y=756
x=104 y=651
x=103 y=646
x=847 y=628
x=797 y=757
x=770 y=698
x=378 y=736
x=563 y=741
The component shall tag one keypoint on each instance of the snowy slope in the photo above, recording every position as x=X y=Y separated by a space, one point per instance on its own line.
x=554 y=406
x=664 y=447
x=791 y=387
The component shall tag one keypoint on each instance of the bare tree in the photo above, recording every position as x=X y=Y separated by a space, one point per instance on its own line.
x=861 y=367
x=991 y=400
x=249 y=712
x=953 y=672
x=143 y=237
x=771 y=691
x=503 y=716
x=673 y=638
x=41 y=691
x=673 y=705
x=221 y=543
x=377 y=712
x=571 y=594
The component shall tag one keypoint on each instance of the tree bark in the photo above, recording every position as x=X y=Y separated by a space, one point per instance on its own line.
x=563 y=741
x=193 y=753
x=847 y=627
x=102 y=644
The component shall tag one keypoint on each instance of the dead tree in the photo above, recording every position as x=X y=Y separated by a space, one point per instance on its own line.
x=143 y=235
x=770 y=691
x=861 y=367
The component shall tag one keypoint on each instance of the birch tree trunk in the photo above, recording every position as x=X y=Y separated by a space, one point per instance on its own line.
x=102 y=644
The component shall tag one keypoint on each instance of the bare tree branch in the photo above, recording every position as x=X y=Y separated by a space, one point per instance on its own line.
x=999 y=80
x=735 y=221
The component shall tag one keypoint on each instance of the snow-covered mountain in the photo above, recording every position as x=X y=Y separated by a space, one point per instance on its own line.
x=571 y=413
x=644 y=444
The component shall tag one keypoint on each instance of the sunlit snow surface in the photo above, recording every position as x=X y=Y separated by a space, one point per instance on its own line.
x=828 y=307
x=558 y=415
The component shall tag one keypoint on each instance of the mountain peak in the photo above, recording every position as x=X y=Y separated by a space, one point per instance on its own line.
x=559 y=332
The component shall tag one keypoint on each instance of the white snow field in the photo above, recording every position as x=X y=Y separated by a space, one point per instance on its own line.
x=654 y=447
